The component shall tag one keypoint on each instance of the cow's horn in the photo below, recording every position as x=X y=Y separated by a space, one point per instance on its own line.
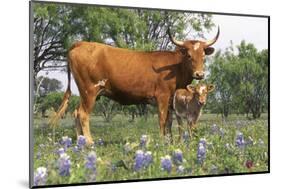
x=176 y=42
x=211 y=42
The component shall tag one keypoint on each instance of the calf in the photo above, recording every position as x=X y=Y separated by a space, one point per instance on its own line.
x=188 y=103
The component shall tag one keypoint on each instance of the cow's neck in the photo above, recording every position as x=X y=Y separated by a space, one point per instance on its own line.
x=184 y=74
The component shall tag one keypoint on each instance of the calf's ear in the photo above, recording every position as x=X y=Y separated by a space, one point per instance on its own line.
x=190 y=88
x=210 y=87
x=209 y=50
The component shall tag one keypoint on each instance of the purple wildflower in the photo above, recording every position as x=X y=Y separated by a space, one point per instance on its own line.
x=60 y=151
x=100 y=142
x=240 y=142
x=201 y=153
x=147 y=159
x=142 y=160
x=75 y=149
x=180 y=169
x=66 y=142
x=203 y=141
x=177 y=156
x=139 y=159
x=81 y=141
x=143 y=141
x=166 y=163
x=91 y=161
x=64 y=165
x=40 y=176
x=91 y=165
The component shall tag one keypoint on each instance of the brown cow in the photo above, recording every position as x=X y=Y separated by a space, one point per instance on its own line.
x=188 y=103
x=133 y=77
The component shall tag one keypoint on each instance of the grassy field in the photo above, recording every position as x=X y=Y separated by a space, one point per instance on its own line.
x=126 y=150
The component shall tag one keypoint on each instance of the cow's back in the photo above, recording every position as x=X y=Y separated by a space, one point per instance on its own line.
x=131 y=74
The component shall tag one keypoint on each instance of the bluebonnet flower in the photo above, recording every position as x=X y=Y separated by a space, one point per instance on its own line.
x=147 y=159
x=60 y=151
x=142 y=160
x=180 y=169
x=100 y=142
x=40 y=176
x=75 y=149
x=166 y=163
x=91 y=161
x=81 y=141
x=139 y=160
x=201 y=153
x=64 y=165
x=177 y=156
x=240 y=142
x=143 y=141
x=91 y=165
x=66 y=142
x=203 y=141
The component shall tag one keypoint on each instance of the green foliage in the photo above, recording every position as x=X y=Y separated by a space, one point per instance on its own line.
x=57 y=26
x=53 y=100
x=241 y=81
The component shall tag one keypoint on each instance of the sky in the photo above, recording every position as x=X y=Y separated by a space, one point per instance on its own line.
x=232 y=28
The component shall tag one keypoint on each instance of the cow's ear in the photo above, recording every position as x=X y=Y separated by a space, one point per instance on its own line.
x=211 y=87
x=209 y=50
x=191 y=88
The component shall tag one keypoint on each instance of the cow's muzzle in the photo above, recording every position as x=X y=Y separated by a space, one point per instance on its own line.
x=198 y=75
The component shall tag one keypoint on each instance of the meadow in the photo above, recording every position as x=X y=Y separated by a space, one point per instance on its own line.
x=126 y=150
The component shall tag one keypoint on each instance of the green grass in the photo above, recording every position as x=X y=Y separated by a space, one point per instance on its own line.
x=118 y=132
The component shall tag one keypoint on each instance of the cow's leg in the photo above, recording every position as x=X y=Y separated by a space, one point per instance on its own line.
x=84 y=111
x=78 y=127
x=163 y=105
x=180 y=127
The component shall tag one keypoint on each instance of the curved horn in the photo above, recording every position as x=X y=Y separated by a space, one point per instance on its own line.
x=178 y=43
x=211 y=42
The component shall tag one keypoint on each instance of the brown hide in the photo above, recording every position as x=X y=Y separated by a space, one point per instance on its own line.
x=188 y=104
x=132 y=77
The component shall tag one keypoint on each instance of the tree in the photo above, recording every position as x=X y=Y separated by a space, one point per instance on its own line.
x=49 y=85
x=57 y=26
x=241 y=81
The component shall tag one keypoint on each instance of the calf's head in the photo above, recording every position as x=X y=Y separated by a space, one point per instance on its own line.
x=194 y=52
x=200 y=92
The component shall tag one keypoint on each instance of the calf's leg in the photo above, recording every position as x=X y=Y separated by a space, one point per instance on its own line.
x=180 y=127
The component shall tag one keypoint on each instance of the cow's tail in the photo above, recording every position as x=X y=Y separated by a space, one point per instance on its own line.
x=61 y=111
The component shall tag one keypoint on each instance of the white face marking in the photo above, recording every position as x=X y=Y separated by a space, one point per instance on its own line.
x=201 y=89
x=196 y=46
